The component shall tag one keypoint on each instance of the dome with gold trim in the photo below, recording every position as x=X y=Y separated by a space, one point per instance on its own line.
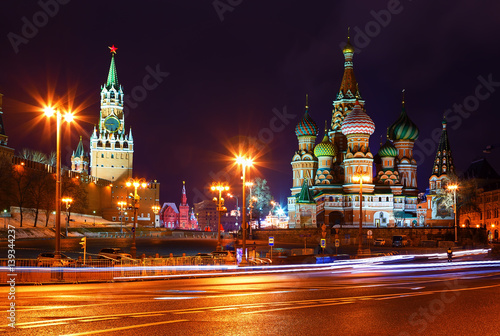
x=324 y=148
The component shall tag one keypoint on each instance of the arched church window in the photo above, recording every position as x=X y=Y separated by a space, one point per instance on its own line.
x=99 y=144
x=125 y=144
x=117 y=144
x=108 y=144
x=102 y=156
x=112 y=156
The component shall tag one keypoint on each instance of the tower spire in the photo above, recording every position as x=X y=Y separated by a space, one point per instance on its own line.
x=112 y=75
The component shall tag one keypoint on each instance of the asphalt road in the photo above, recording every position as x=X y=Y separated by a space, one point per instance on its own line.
x=376 y=299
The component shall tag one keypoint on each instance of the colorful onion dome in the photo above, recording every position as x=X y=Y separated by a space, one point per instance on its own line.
x=357 y=122
x=306 y=126
x=403 y=128
x=388 y=150
x=325 y=147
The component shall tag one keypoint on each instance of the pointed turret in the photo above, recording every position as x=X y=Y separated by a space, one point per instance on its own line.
x=184 y=197
x=349 y=86
x=305 y=195
x=130 y=135
x=112 y=75
x=443 y=163
x=80 y=159
x=80 y=152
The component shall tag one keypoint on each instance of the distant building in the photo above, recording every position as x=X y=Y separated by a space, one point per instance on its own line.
x=172 y=217
x=208 y=219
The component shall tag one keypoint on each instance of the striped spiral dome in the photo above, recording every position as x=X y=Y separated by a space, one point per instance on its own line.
x=306 y=126
x=388 y=150
x=403 y=128
x=357 y=122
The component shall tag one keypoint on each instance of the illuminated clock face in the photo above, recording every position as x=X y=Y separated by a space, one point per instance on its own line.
x=111 y=124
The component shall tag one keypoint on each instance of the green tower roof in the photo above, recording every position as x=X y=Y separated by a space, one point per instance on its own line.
x=305 y=195
x=112 y=76
x=80 y=151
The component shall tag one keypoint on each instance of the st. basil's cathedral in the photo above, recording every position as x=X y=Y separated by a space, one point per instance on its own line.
x=326 y=176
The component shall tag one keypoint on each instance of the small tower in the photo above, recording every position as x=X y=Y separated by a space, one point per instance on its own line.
x=403 y=133
x=184 y=210
x=111 y=149
x=305 y=209
x=80 y=159
x=304 y=163
x=346 y=98
x=357 y=127
x=443 y=169
x=325 y=152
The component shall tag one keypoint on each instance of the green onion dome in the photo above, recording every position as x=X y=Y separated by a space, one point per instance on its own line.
x=388 y=150
x=324 y=148
x=306 y=126
x=403 y=128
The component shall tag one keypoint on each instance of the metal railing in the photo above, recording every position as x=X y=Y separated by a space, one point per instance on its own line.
x=40 y=271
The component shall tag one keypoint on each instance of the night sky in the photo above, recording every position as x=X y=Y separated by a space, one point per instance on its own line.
x=231 y=72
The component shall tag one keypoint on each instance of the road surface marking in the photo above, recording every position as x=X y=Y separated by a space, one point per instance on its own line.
x=40 y=325
x=98 y=319
x=124 y=328
x=147 y=315
x=228 y=308
x=301 y=307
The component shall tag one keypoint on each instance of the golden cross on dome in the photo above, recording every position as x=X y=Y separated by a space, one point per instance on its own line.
x=113 y=49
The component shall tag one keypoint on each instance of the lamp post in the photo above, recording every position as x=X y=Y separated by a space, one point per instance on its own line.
x=94 y=217
x=244 y=162
x=121 y=204
x=67 y=201
x=68 y=117
x=359 y=178
x=136 y=183
x=220 y=208
x=454 y=187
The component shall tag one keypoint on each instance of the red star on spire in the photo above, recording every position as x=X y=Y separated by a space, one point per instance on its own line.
x=113 y=49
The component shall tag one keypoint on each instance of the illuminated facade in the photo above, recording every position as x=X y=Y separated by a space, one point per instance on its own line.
x=324 y=189
x=111 y=148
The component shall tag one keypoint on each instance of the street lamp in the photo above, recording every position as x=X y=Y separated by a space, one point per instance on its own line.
x=67 y=201
x=136 y=183
x=121 y=204
x=454 y=187
x=220 y=208
x=360 y=178
x=68 y=117
x=244 y=162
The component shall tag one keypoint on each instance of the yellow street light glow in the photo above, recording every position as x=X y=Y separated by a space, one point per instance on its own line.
x=49 y=111
x=452 y=187
x=357 y=178
x=248 y=162
x=68 y=117
x=128 y=184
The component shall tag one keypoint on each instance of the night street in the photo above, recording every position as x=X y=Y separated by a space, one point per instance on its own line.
x=376 y=300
